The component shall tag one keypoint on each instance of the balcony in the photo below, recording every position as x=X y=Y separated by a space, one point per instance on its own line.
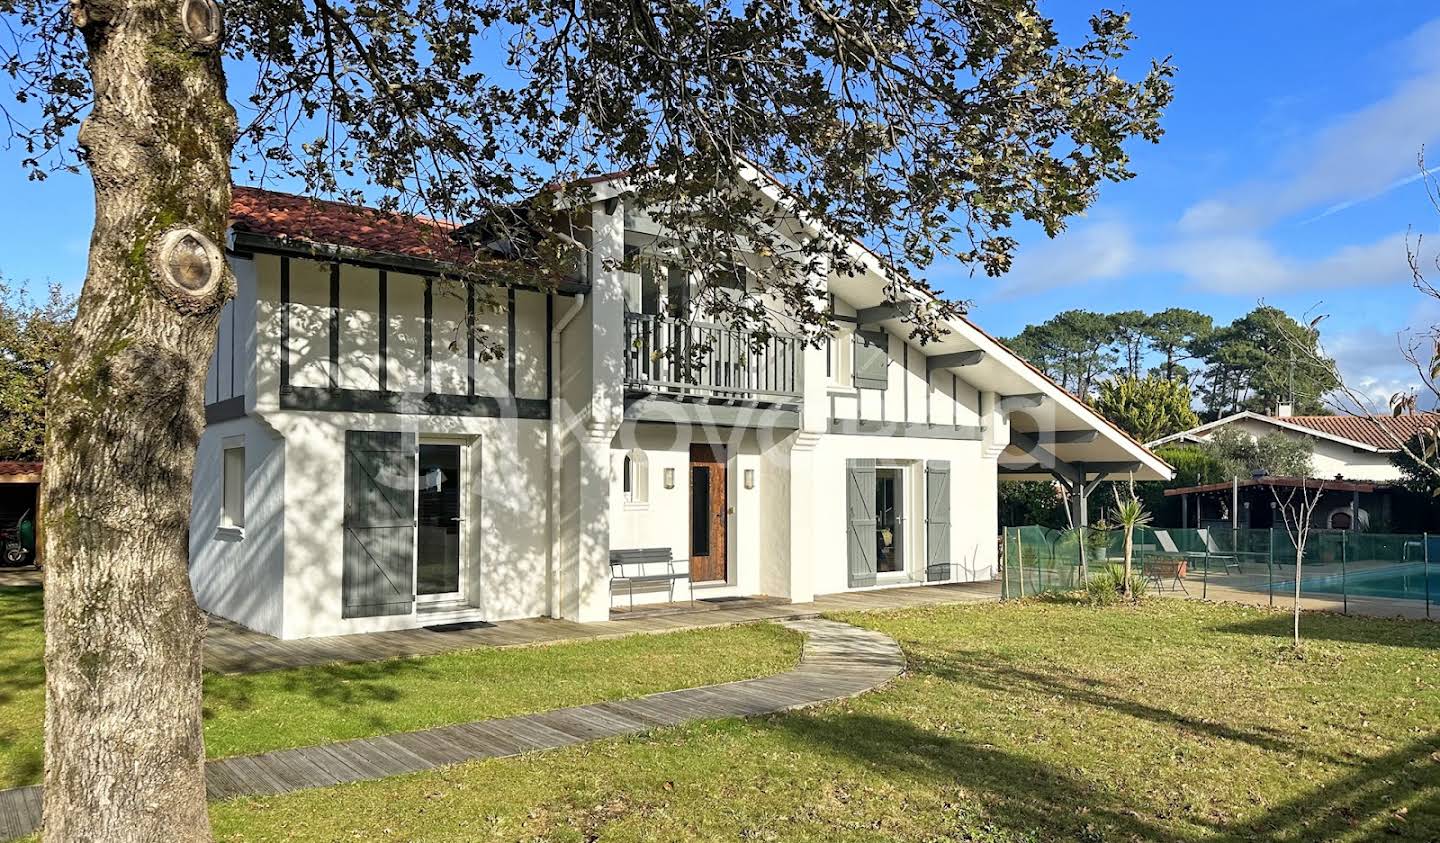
x=707 y=361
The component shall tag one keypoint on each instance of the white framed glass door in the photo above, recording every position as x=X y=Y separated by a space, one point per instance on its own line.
x=440 y=521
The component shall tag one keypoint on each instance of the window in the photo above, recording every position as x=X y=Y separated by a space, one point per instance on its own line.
x=731 y=277
x=635 y=477
x=677 y=291
x=889 y=520
x=842 y=355
x=232 y=489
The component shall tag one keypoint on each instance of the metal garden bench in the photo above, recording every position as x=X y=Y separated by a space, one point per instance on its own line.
x=646 y=566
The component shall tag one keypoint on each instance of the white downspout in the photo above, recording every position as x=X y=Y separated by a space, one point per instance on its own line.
x=553 y=442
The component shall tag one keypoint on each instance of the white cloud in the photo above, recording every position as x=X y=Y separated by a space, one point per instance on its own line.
x=1250 y=264
x=1223 y=243
x=1358 y=156
x=1094 y=251
x=1372 y=361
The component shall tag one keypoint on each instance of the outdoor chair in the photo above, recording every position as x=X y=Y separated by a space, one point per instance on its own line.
x=1162 y=570
x=1216 y=554
x=1167 y=544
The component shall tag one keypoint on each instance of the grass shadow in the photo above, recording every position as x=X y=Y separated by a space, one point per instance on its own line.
x=993 y=672
x=1372 y=791
x=1328 y=626
x=1020 y=793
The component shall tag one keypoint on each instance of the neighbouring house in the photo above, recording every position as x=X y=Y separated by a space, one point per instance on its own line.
x=1345 y=447
x=1352 y=454
x=365 y=468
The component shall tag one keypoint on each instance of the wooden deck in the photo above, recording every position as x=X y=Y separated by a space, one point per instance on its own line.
x=837 y=661
x=231 y=648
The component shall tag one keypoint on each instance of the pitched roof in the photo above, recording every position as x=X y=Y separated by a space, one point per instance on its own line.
x=1369 y=429
x=1372 y=433
x=19 y=468
x=321 y=222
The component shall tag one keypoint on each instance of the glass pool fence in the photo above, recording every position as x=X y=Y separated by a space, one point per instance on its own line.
x=1379 y=573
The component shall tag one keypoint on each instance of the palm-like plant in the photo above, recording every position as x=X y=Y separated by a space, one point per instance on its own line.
x=1128 y=514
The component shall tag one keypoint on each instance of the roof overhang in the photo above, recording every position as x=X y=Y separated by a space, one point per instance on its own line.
x=245 y=242
x=1053 y=435
x=1195 y=434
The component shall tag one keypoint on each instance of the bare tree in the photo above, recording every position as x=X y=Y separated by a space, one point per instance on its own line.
x=1297 y=515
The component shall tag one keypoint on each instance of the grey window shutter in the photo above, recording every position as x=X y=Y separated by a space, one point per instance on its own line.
x=937 y=521
x=379 y=527
x=872 y=356
x=860 y=501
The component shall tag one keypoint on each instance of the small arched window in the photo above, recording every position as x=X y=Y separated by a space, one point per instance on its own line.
x=635 y=477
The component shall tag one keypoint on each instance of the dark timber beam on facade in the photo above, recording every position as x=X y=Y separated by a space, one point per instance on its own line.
x=953 y=361
x=1030 y=444
x=879 y=313
x=1009 y=403
x=1054 y=437
x=915 y=430
x=664 y=410
x=1092 y=471
x=247 y=244
x=1043 y=459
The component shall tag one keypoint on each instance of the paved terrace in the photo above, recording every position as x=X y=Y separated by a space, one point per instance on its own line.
x=231 y=648
x=1256 y=585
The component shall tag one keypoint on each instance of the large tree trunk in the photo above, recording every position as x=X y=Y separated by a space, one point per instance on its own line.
x=124 y=757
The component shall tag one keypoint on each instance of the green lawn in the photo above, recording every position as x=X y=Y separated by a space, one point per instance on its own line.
x=1037 y=721
x=285 y=708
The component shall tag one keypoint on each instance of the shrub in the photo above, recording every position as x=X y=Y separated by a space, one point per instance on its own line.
x=1105 y=587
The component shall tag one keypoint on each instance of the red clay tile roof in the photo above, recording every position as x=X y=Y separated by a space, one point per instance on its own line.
x=18 y=467
x=1366 y=431
x=322 y=222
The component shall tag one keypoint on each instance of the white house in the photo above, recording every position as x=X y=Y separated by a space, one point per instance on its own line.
x=1345 y=447
x=365 y=467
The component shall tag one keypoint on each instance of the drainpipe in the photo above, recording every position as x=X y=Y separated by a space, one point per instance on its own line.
x=552 y=440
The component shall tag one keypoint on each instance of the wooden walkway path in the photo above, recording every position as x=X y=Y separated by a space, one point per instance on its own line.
x=837 y=660
x=231 y=648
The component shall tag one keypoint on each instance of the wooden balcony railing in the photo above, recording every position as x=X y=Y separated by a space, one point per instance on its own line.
x=701 y=359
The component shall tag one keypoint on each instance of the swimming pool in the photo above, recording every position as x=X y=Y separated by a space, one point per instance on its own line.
x=1403 y=582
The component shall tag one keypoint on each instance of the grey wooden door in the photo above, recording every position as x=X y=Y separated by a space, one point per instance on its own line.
x=937 y=521
x=860 y=527
x=379 y=526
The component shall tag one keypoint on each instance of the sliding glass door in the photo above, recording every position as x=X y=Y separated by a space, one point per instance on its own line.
x=439 y=519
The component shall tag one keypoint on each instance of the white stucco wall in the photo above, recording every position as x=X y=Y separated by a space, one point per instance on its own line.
x=942 y=397
x=972 y=505
x=240 y=578
x=664 y=519
x=1329 y=458
x=507 y=543
x=762 y=519
x=505 y=551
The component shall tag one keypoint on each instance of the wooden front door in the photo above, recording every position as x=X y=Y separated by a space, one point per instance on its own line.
x=708 y=514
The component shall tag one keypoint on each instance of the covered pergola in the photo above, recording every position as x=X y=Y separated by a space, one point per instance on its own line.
x=1241 y=493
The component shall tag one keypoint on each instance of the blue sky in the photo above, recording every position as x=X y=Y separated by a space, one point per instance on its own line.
x=1287 y=173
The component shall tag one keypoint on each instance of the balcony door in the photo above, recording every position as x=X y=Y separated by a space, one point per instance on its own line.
x=439 y=511
x=709 y=522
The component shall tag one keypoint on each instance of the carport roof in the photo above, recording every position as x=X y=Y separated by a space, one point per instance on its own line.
x=19 y=471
